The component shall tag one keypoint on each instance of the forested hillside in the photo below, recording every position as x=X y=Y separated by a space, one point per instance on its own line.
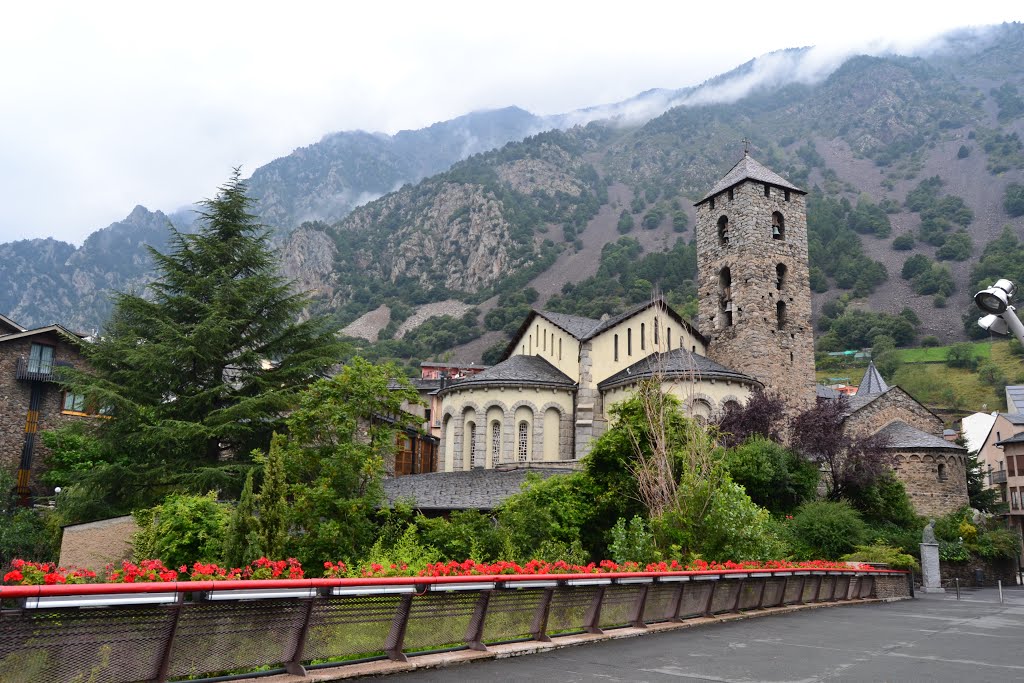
x=914 y=166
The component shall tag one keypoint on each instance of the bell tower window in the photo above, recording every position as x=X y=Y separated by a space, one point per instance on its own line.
x=723 y=230
x=725 y=296
x=780 y=276
x=778 y=226
x=780 y=315
x=767 y=190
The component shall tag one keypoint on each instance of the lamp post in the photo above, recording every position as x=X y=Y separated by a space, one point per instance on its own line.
x=1001 y=317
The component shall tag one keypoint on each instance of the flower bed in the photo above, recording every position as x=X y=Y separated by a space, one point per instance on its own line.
x=26 y=573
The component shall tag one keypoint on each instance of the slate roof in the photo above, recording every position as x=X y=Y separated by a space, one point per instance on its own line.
x=7 y=322
x=576 y=325
x=900 y=435
x=1016 y=438
x=675 y=363
x=58 y=329
x=1015 y=398
x=748 y=169
x=823 y=391
x=1014 y=418
x=872 y=384
x=477 y=489
x=517 y=370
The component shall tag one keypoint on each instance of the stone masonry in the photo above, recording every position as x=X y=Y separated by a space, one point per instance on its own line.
x=934 y=491
x=765 y=281
x=14 y=400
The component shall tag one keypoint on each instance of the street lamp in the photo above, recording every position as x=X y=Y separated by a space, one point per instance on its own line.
x=1002 y=317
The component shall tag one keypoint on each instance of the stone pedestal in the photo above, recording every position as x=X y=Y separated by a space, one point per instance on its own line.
x=931 y=579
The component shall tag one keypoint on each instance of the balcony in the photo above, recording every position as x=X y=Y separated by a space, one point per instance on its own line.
x=36 y=371
x=997 y=477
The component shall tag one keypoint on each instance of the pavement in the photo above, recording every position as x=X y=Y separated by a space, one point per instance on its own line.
x=930 y=638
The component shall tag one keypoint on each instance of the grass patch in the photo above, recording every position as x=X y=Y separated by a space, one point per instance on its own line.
x=937 y=354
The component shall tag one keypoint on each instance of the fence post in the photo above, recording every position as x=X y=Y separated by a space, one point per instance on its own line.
x=592 y=620
x=739 y=596
x=817 y=589
x=637 y=618
x=396 y=637
x=475 y=629
x=760 y=597
x=803 y=585
x=540 y=617
x=677 y=602
x=165 y=657
x=711 y=597
x=294 y=667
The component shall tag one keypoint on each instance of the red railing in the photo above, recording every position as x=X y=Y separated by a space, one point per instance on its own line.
x=206 y=628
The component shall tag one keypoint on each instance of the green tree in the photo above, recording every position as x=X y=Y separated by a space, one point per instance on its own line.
x=773 y=476
x=201 y=370
x=625 y=223
x=181 y=530
x=341 y=440
x=241 y=541
x=1013 y=200
x=272 y=502
x=962 y=355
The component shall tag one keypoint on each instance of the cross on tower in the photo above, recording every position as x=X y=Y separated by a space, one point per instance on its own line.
x=746 y=147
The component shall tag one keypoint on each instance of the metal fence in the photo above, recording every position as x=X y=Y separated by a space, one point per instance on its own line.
x=117 y=633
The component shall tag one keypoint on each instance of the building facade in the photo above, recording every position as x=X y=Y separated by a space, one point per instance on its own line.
x=31 y=399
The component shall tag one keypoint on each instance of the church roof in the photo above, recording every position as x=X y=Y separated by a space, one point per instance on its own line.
x=823 y=391
x=748 y=169
x=476 y=489
x=676 y=363
x=518 y=369
x=872 y=382
x=576 y=325
x=1016 y=438
x=584 y=329
x=900 y=435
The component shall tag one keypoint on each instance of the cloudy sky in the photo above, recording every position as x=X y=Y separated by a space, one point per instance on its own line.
x=106 y=105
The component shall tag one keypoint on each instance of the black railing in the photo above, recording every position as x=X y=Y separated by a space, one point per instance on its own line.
x=38 y=371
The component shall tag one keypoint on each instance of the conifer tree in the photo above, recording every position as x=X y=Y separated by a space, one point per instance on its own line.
x=200 y=370
x=241 y=543
x=272 y=504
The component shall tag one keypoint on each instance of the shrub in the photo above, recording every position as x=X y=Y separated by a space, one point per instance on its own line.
x=1013 y=200
x=626 y=222
x=182 y=529
x=904 y=242
x=772 y=475
x=826 y=529
x=961 y=356
x=963 y=152
x=930 y=341
x=632 y=542
x=881 y=553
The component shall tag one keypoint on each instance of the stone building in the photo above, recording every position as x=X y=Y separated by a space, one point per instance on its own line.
x=31 y=401
x=754 y=280
x=932 y=469
x=548 y=399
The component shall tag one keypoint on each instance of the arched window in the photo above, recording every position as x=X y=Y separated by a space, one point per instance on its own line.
x=711 y=204
x=723 y=230
x=616 y=349
x=629 y=341
x=725 y=296
x=780 y=276
x=778 y=226
x=767 y=190
x=495 y=442
x=668 y=338
x=643 y=334
x=544 y=344
x=559 y=348
x=780 y=314
x=471 y=435
x=730 y=194
x=787 y=194
x=523 y=445
x=942 y=472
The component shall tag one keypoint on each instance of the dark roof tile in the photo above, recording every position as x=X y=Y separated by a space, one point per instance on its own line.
x=900 y=435
x=675 y=363
x=748 y=169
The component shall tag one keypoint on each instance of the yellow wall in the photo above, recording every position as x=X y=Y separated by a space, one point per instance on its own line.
x=715 y=392
x=603 y=346
x=552 y=339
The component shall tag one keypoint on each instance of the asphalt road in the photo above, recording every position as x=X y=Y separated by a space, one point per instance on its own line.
x=931 y=638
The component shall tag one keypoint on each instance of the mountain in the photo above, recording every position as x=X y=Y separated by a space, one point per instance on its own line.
x=586 y=207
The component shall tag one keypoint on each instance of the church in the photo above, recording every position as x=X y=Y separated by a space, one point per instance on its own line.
x=547 y=400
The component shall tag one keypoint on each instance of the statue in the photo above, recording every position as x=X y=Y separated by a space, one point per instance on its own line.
x=928 y=536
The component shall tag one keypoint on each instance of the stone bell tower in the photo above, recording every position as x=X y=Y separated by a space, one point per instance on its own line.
x=754 y=280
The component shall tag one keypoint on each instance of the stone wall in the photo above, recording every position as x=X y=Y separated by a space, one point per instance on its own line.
x=15 y=394
x=94 y=545
x=932 y=495
x=993 y=570
x=894 y=404
x=892 y=586
x=781 y=356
